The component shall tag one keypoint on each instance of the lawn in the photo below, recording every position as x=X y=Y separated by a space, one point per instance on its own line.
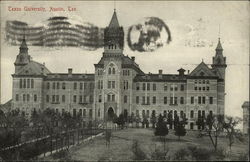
x=121 y=144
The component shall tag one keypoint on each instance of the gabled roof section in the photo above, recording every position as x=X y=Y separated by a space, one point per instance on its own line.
x=33 y=68
x=114 y=21
x=202 y=70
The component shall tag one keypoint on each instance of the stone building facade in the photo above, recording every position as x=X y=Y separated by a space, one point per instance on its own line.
x=118 y=85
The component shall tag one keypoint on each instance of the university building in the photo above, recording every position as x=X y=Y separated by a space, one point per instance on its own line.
x=118 y=85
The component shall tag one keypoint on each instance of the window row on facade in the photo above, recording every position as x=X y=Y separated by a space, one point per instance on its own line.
x=207 y=88
x=201 y=81
x=26 y=97
x=76 y=98
x=76 y=85
x=173 y=100
x=153 y=86
x=26 y=83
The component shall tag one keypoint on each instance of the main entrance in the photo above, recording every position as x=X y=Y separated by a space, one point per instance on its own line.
x=111 y=114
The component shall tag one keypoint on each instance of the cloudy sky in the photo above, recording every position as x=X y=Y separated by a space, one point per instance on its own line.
x=187 y=21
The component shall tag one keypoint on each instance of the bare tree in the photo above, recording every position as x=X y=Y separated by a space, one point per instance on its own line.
x=230 y=125
x=214 y=127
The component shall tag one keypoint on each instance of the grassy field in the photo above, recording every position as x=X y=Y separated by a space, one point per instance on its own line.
x=121 y=144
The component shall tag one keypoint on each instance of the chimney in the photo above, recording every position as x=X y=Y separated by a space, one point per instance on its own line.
x=181 y=71
x=133 y=58
x=70 y=72
x=160 y=73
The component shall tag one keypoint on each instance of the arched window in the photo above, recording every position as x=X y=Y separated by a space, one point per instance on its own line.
x=113 y=70
x=109 y=70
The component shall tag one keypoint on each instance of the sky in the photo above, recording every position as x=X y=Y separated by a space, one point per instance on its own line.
x=187 y=21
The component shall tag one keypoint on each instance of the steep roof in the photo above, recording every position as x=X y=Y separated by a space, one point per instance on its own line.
x=6 y=106
x=219 y=46
x=114 y=21
x=33 y=68
x=202 y=70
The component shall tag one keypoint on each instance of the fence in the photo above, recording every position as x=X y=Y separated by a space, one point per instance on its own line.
x=50 y=143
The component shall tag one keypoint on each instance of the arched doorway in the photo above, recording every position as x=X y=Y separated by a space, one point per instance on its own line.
x=111 y=114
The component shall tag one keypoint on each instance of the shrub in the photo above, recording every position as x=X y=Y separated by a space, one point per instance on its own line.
x=182 y=154
x=137 y=151
x=199 y=153
x=159 y=154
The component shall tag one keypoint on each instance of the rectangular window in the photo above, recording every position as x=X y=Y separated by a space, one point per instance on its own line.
x=80 y=112
x=137 y=86
x=195 y=88
x=35 y=98
x=154 y=100
x=85 y=85
x=154 y=87
x=143 y=100
x=28 y=83
x=48 y=85
x=182 y=100
x=137 y=99
x=148 y=86
x=100 y=98
x=148 y=100
x=90 y=113
x=84 y=112
x=109 y=84
x=47 y=98
x=57 y=85
x=63 y=98
x=192 y=114
x=182 y=87
x=54 y=98
x=192 y=100
x=109 y=97
x=17 y=97
x=199 y=100
x=210 y=100
x=125 y=99
x=144 y=86
x=203 y=100
x=113 y=97
x=63 y=85
x=203 y=88
x=32 y=83
x=54 y=85
x=21 y=83
x=203 y=113
x=84 y=99
x=28 y=97
x=171 y=100
x=74 y=113
x=113 y=84
x=207 y=88
x=24 y=83
x=24 y=97
x=74 y=98
x=199 y=88
x=165 y=87
x=80 y=99
x=165 y=100
x=176 y=88
x=81 y=86
x=75 y=86
x=175 y=100
x=57 y=98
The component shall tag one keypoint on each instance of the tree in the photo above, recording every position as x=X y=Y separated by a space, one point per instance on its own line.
x=179 y=126
x=201 y=122
x=161 y=128
x=170 y=119
x=153 y=119
x=120 y=121
x=229 y=125
x=214 y=126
